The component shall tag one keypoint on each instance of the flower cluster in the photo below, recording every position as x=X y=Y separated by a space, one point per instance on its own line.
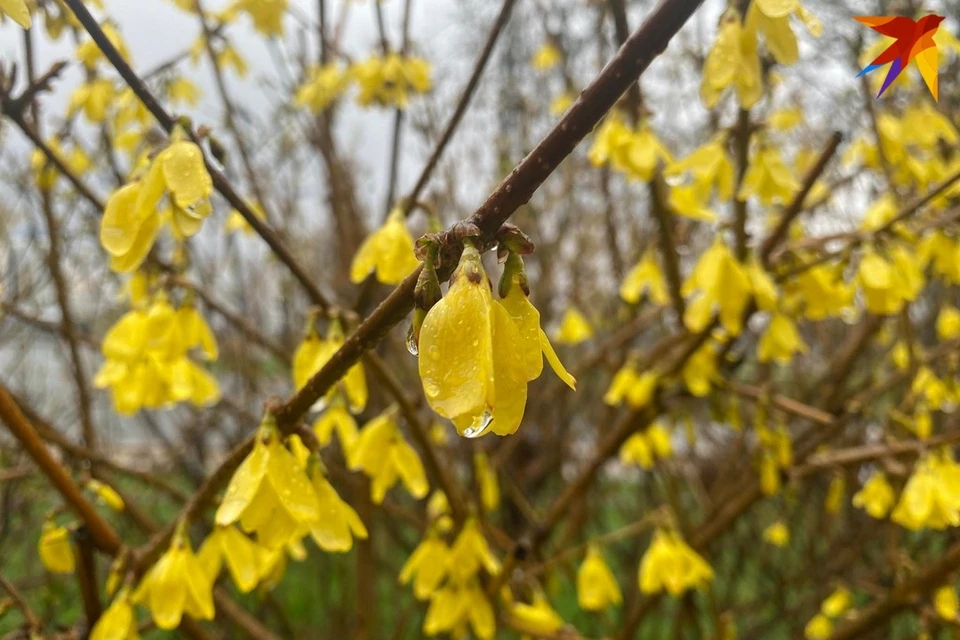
x=387 y=80
x=671 y=565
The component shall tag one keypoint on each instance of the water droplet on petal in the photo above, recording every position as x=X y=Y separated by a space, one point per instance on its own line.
x=479 y=426
x=412 y=346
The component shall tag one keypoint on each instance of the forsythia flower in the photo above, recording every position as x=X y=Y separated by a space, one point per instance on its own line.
x=837 y=603
x=236 y=221
x=93 y=97
x=822 y=290
x=946 y=602
x=132 y=221
x=310 y=357
x=722 y=281
x=267 y=15
x=818 y=628
x=930 y=498
x=948 y=323
x=106 y=495
x=574 y=328
x=56 y=549
x=777 y=534
x=732 y=60
x=780 y=341
x=270 y=493
x=487 y=481
x=118 y=622
x=538 y=617
x=17 y=10
x=772 y=18
x=636 y=153
x=546 y=57
x=339 y=523
x=455 y=606
x=645 y=278
x=768 y=179
x=387 y=251
x=185 y=91
x=477 y=354
x=597 y=588
x=324 y=85
x=427 y=566
x=888 y=284
x=711 y=168
x=243 y=557
x=383 y=454
x=147 y=358
x=388 y=81
x=642 y=447
x=89 y=52
x=876 y=497
x=175 y=585
x=670 y=564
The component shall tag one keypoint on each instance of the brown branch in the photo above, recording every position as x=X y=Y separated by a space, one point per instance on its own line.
x=101 y=532
x=28 y=615
x=779 y=232
x=466 y=97
x=668 y=246
x=220 y=181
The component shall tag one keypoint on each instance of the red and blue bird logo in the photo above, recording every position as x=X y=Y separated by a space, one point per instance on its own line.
x=914 y=42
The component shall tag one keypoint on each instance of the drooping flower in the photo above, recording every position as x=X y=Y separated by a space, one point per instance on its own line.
x=456 y=607
x=383 y=454
x=427 y=566
x=876 y=497
x=469 y=553
x=267 y=15
x=487 y=482
x=270 y=493
x=768 y=179
x=597 y=588
x=472 y=363
x=777 y=534
x=946 y=602
x=546 y=57
x=888 y=284
x=243 y=557
x=56 y=549
x=670 y=565
x=324 y=85
x=537 y=617
x=645 y=277
x=175 y=585
x=17 y=10
x=389 y=80
x=780 y=341
x=338 y=523
x=311 y=355
x=118 y=622
x=930 y=499
x=387 y=251
x=722 y=283
x=733 y=60
x=106 y=495
x=574 y=327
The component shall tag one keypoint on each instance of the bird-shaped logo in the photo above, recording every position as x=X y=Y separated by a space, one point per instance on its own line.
x=914 y=42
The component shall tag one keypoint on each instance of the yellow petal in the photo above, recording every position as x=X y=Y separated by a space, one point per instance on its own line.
x=554 y=361
x=120 y=222
x=185 y=174
x=244 y=485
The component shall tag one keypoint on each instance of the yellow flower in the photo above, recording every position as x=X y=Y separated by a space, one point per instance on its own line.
x=184 y=91
x=387 y=251
x=888 y=284
x=768 y=179
x=17 y=10
x=546 y=57
x=722 y=281
x=700 y=370
x=777 y=534
x=818 y=628
x=772 y=18
x=597 y=588
x=454 y=607
x=635 y=153
x=55 y=548
x=835 y=493
x=487 y=481
x=786 y=118
x=383 y=454
x=562 y=102
x=324 y=85
x=195 y=332
x=690 y=202
x=267 y=15
x=388 y=81
x=574 y=328
x=822 y=290
x=236 y=222
x=312 y=354
x=946 y=603
x=930 y=498
x=242 y=556
x=92 y=97
x=780 y=341
x=337 y=418
x=732 y=60
x=645 y=278
x=106 y=495
x=642 y=447
x=536 y=346
x=469 y=553
x=670 y=564
x=427 y=566
x=131 y=220
x=837 y=603
x=876 y=497
x=175 y=585
x=89 y=52
x=118 y=622
x=710 y=167
x=270 y=493
x=948 y=323
x=537 y=618
x=473 y=363
x=338 y=524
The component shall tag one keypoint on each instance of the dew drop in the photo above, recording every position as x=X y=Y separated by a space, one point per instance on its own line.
x=412 y=346
x=479 y=426
x=431 y=388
